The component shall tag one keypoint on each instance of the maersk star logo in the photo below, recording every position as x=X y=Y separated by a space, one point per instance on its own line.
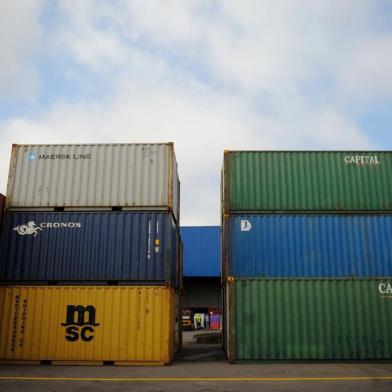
x=30 y=229
x=32 y=157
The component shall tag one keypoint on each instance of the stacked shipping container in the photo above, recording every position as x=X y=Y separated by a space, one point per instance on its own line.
x=100 y=222
x=307 y=256
x=2 y=205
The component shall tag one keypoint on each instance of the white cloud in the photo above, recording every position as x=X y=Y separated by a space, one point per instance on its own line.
x=20 y=38
x=85 y=39
x=366 y=72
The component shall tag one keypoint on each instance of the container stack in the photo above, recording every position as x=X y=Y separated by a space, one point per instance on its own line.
x=2 y=205
x=307 y=255
x=90 y=255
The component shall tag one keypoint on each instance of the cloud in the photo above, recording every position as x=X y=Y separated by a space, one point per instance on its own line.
x=366 y=73
x=209 y=76
x=20 y=39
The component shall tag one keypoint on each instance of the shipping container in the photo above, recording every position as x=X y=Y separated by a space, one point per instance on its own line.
x=89 y=325
x=258 y=181
x=307 y=245
x=2 y=205
x=94 y=175
x=201 y=251
x=310 y=319
x=90 y=246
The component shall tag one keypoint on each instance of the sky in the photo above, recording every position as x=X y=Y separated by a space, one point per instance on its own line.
x=207 y=75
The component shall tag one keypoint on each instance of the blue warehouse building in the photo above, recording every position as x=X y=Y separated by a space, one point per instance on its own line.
x=202 y=267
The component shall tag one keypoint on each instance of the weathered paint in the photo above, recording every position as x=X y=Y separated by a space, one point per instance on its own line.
x=307 y=181
x=311 y=319
x=91 y=246
x=308 y=245
x=135 y=325
x=94 y=175
x=201 y=251
x=2 y=205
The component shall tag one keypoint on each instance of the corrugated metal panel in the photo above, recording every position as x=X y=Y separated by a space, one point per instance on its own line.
x=309 y=245
x=313 y=319
x=95 y=175
x=2 y=204
x=225 y=314
x=93 y=246
x=174 y=200
x=307 y=180
x=122 y=324
x=229 y=321
x=201 y=250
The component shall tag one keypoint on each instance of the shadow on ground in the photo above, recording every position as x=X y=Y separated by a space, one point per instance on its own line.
x=201 y=346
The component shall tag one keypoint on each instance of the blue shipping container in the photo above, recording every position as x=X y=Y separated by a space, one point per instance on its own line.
x=90 y=246
x=201 y=251
x=302 y=246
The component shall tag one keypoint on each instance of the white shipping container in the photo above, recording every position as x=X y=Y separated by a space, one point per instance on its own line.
x=130 y=176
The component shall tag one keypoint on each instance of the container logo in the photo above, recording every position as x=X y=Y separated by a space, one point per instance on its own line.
x=385 y=289
x=361 y=160
x=80 y=321
x=32 y=229
x=245 y=225
x=64 y=157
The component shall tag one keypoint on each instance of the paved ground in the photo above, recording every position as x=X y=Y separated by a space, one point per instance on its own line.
x=190 y=336
x=202 y=368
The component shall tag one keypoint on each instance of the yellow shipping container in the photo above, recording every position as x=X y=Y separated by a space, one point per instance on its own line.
x=127 y=325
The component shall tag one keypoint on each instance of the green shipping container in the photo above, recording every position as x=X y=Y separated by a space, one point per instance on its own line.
x=307 y=180
x=308 y=319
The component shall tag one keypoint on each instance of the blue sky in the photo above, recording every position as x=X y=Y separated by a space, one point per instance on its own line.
x=208 y=75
